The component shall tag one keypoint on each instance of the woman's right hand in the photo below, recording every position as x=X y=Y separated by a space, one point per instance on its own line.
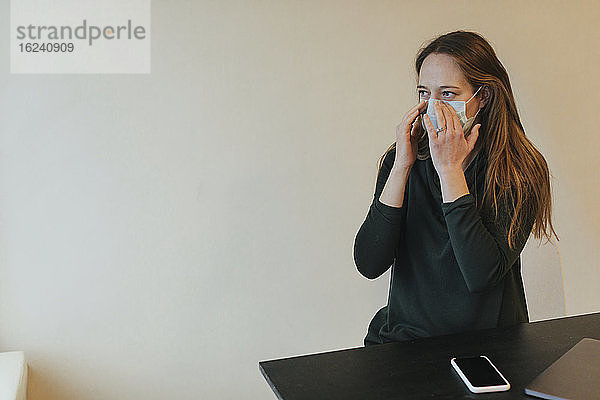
x=406 y=140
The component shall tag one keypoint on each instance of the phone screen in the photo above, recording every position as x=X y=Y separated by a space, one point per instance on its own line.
x=479 y=371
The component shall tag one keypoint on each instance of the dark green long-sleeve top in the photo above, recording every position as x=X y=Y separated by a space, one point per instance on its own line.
x=452 y=269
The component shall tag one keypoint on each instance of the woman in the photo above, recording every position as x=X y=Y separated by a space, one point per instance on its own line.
x=457 y=196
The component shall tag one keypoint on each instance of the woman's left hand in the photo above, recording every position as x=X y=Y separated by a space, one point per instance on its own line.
x=449 y=148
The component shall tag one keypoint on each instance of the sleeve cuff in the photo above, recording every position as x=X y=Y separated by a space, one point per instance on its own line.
x=393 y=215
x=463 y=201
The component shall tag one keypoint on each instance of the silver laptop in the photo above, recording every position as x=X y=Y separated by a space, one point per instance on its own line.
x=574 y=376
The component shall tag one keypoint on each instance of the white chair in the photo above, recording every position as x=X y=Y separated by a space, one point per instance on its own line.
x=13 y=376
x=541 y=267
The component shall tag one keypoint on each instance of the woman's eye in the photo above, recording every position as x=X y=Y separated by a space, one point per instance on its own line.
x=448 y=94
x=423 y=93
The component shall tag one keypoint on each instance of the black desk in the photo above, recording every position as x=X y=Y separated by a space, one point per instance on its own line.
x=419 y=369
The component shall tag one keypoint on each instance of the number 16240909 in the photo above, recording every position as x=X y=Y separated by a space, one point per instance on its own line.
x=46 y=47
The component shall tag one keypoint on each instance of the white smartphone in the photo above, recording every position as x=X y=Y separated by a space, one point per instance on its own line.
x=479 y=374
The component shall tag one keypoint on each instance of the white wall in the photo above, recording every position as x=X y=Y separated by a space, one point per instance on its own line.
x=160 y=234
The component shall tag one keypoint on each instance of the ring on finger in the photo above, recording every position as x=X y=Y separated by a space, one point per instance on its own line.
x=442 y=129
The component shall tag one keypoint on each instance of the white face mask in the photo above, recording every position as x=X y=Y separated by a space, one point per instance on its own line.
x=461 y=109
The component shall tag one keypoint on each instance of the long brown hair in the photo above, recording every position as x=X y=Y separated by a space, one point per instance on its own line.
x=517 y=173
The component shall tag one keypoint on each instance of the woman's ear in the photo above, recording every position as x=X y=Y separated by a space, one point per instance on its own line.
x=485 y=96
